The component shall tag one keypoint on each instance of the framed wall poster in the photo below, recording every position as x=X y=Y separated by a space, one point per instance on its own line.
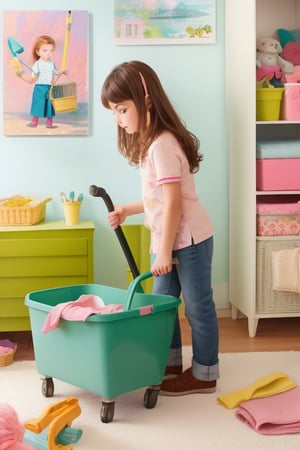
x=157 y=22
x=45 y=73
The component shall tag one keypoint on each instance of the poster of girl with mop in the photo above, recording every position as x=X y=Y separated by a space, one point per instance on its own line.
x=46 y=91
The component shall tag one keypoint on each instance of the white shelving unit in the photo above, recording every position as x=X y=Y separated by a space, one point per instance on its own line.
x=245 y=22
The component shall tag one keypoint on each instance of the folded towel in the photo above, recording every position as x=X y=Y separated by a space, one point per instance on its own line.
x=278 y=414
x=286 y=270
x=80 y=309
x=274 y=383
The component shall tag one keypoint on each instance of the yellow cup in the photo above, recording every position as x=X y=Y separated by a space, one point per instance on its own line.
x=72 y=212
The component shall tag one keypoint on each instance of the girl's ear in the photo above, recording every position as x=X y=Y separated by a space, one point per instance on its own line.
x=148 y=102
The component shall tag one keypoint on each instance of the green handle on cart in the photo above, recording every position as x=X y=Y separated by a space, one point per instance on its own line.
x=135 y=286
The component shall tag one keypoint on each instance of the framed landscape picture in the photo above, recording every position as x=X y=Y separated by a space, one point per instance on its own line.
x=164 y=22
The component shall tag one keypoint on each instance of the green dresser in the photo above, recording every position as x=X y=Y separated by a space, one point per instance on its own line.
x=38 y=257
x=138 y=238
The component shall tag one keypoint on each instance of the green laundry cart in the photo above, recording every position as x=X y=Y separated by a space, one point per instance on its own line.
x=107 y=354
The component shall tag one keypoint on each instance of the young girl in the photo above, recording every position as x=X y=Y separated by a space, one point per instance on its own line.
x=152 y=136
x=43 y=72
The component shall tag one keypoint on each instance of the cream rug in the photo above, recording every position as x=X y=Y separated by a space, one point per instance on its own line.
x=195 y=422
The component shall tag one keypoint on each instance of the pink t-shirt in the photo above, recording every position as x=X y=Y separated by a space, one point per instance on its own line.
x=166 y=163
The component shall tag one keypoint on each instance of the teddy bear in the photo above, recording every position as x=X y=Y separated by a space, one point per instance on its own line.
x=269 y=62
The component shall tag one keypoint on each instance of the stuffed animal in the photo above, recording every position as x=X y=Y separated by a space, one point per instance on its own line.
x=269 y=63
x=11 y=430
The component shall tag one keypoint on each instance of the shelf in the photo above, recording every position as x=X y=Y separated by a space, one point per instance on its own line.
x=278 y=192
x=250 y=292
x=278 y=122
x=277 y=238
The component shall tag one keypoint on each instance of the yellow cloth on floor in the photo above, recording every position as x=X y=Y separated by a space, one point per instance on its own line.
x=274 y=383
x=285 y=270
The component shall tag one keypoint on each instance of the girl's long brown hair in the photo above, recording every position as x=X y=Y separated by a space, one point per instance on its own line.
x=138 y=82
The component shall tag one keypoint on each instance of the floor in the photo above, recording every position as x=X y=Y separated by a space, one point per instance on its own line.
x=272 y=335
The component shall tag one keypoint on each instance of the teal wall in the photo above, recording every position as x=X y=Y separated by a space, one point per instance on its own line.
x=193 y=76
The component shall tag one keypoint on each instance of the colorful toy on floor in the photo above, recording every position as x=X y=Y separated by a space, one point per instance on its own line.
x=52 y=429
x=11 y=430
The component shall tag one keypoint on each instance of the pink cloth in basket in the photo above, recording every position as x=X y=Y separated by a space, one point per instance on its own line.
x=80 y=309
x=277 y=414
x=5 y=350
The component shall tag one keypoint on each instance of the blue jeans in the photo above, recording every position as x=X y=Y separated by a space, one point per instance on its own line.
x=191 y=276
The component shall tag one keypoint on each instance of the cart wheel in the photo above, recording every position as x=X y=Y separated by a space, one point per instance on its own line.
x=47 y=387
x=150 y=397
x=107 y=411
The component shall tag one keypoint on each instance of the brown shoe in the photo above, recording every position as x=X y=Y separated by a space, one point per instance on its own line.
x=172 y=371
x=185 y=384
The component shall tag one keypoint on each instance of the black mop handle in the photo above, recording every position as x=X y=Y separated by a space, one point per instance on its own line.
x=97 y=191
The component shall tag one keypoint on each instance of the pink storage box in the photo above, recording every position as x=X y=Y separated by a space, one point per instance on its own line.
x=290 y=104
x=277 y=218
x=278 y=174
x=293 y=77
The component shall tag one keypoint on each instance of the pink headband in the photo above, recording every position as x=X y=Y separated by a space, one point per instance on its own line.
x=144 y=84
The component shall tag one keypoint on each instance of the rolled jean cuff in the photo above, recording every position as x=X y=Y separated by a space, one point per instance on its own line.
x=175 y=357
x=205 y=373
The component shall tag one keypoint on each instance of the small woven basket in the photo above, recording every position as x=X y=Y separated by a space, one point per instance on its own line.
x=7 y=359
x=30 y=214
x=267 y=299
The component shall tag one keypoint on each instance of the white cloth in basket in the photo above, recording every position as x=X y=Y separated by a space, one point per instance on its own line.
x=286 y=270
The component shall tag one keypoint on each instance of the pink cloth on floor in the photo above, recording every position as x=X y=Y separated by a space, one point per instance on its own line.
x=11 y=430
x=277 y=414
x=80 y=309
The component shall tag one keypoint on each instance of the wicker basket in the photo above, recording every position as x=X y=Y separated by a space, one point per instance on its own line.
x=6 y=360
x=267 y=299
x=64 y=97
x=29 y=214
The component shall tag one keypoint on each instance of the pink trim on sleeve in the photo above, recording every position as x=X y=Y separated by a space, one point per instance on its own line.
x=168 y=179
